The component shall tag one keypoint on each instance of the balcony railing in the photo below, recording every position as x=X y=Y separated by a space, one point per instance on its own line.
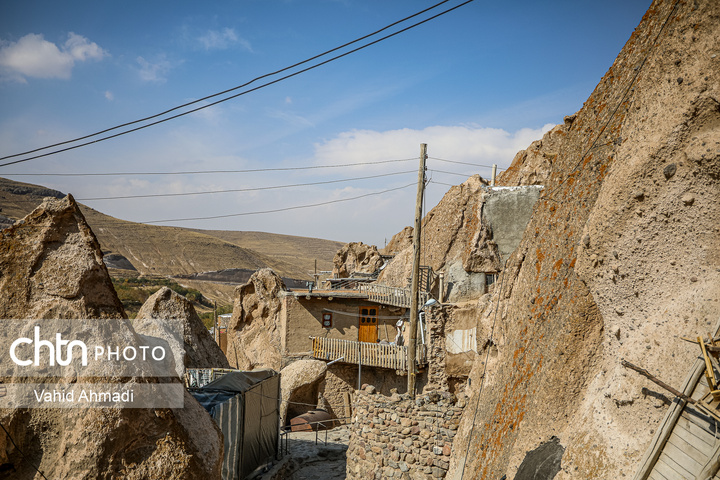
x=397 y=297
x=364 y=353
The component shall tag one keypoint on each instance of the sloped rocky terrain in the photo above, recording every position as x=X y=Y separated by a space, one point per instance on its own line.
x=620 y=258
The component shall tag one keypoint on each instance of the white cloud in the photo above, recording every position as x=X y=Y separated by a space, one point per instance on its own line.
x=81 y=49
x=222 y=39
x=109 y=95
x=371 y=219
x=33 y=56
x=156 y=71
x=472 y=144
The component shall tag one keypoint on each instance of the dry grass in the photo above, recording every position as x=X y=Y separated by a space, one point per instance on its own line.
x=172 y=251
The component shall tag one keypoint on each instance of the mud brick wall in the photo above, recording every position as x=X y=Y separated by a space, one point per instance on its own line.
x=396 y=437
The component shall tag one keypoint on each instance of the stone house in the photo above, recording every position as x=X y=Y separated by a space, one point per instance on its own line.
x=353 y=320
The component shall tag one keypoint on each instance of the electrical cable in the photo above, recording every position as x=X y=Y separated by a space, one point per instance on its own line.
x=127 y=124
x=114 y=222
x=459 y=163
x=276 y=210
x=622 y=99
x=441 y=183
x=357 y=315
x=466 y=175
x=638 y=69
x=337 y=57
x=487 y=356
x=236 y=190
x=200 y=172
x=21 y=452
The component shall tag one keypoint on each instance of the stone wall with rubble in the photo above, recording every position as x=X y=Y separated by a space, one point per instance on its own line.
x=396 y=437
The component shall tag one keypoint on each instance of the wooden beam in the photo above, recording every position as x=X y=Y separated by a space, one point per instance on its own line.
x=653 y=378
x=665 y=428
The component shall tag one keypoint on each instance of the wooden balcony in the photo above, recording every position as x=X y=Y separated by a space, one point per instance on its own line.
x=397 y=297
x=366 y=354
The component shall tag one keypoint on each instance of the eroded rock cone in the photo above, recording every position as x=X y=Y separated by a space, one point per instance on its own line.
x=253 y=332
x=455 y=239
x=166 y=310
x=299 y=384
x=399 y=242
x=356 y=257
x=51 y=267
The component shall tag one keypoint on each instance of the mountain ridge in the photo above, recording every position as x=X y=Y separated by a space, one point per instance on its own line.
x=178 y=251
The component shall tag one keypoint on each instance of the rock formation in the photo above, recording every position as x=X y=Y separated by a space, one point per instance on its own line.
x=399 y=242
x=533 y=165
x=621 y=256
x=201 y=351
x=457 y=239
x=253 y=332
x=356 y=257
x=299 y=383
x=51 y=267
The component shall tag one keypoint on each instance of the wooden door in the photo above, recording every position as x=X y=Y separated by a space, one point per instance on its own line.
x=368 y=325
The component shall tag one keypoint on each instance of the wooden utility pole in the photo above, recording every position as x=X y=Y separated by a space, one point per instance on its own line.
x=412 y=341
x=216 y=332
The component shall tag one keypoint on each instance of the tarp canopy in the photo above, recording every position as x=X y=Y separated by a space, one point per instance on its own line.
x=245 y=405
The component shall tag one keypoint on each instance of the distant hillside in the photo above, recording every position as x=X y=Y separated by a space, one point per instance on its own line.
x=301 y=251
x=175 y=251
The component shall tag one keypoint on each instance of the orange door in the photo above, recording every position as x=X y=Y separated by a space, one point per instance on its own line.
x=367 y=330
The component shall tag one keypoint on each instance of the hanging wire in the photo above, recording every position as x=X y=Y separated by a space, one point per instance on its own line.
x=37 y=469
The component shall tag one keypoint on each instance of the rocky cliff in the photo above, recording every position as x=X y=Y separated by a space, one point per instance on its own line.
x=621 y=256
x=356 y=258
x=51 y=267
x=253 y=332
x=453 y=237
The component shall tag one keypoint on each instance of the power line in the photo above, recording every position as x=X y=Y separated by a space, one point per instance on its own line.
x=441 y=183
x=276 y=210
x=453 y=173
x=127 y=124
x=485 y=366
x=457 y=162
x=235 y=190
x=337 y=57
x=627 y=91
x=201 y=172
x=37 y=468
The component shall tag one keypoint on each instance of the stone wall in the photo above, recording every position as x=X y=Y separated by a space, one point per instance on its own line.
x=343 y=378
x=396 y=437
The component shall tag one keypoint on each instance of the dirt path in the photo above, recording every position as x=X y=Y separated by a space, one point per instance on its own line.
x=307 y=460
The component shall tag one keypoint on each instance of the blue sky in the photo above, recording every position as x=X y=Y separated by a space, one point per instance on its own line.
x=477 y=85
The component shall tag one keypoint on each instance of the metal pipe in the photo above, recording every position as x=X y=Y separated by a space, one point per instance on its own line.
x=359 y=364
x=336 y=360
